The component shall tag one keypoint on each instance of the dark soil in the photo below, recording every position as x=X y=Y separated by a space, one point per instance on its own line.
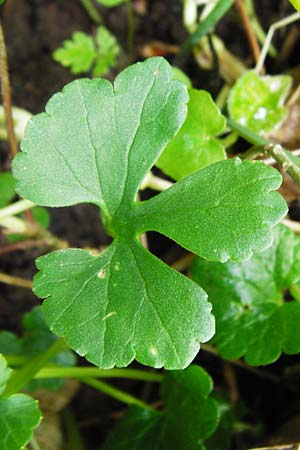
x=34 y=29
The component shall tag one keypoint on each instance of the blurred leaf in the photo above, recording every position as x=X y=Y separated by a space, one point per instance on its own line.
x=107 y=51
x=195 y=145
x=111 y=3
x=7 y=188
x=296 y=4
x=257 y=102
x=179 y=75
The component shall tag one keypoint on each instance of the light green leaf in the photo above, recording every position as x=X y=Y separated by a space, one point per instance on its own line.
x=223 y=211
x=107 y=51
x=296 y=4
x=111 y=3
x=257 y=102
x=160 y=322
x=189 y=418
x=4 y=374
x=19 y=416
x=77 y=53
x=253 y=320
x=179 y=75
x=7 y=188
x=195 y=145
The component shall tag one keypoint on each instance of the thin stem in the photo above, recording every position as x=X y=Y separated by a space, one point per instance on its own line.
x=115 y=393
x=281 y=157
x=16 y=208
x=130 y=37
x=15 y=281
x=20 y=378
x=92 y=11
x=74 y=439
x=277 y=25
x=295 y=226
x=34 y=445
x=94 y=372
x=184 y=262
x=242 y=12
x=153 y=182
x=6 y=94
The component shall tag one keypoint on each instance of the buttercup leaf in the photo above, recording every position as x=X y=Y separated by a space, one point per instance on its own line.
x=252 y=318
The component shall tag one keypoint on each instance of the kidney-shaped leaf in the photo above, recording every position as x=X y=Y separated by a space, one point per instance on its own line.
x=190 y=416
x=252 y=318
x=115 y=308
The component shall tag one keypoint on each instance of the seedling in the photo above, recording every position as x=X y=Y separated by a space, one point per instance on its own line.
x=95 y=144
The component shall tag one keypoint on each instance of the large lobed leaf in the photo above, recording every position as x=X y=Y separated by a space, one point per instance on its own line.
x=19 y=415
x=96 y=143
x=252 y=318
x=190 y=417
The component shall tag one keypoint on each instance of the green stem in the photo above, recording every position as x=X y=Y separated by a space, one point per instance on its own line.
x=16 y=208
x=94 y=372
x=281 y=156
x=34 y=445
x=130 y=36
x=92 y=11
x=115 y=393
x=74 y=440
x=20 y=378
x=247 y=134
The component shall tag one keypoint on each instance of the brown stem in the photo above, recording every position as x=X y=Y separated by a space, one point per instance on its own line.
x=22 y=245
x=251 y=37
x=6 y=95
x=15 y=281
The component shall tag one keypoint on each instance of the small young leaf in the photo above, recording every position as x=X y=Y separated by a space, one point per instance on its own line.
x=77 y=53
x=189 y=418
x=19 y=415
x=195 y=145
x=129 y=313
x=257 y=102
x=227 y=205
x=7 y=188
x=107 y=51
x=252 y=318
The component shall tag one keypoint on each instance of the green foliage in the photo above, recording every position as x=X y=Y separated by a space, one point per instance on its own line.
x=190 y=416
x=111 y=3
x=257 y=102
x=95 y=144
x=83 y=53
x=252 y=318
x=36 y=339
x=179 y=75
x=195 y=145
x=7 y=188
x=296 y=4
x=19 y=415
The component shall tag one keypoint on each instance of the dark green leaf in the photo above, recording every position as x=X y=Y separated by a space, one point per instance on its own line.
x=253 y=320
x=7 y=188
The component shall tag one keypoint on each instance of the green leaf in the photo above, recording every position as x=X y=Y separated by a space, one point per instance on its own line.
x=296 y=4
x=111 y=3
x=190 y=416
x=252 y=318
x=257 y=102
x=195 y=145
x=222 y=211
x=7 y=188
x=77 y=53
x=95 y=144
x=157 y=328
x=179 y=75
x=4 y=374
x=41 y=215
x=19 y=415
x=107 y=51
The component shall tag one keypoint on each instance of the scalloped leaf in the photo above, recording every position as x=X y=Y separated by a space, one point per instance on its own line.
x=195 y=145
x=189 y=418
x=257 y=102
x=252 y=318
